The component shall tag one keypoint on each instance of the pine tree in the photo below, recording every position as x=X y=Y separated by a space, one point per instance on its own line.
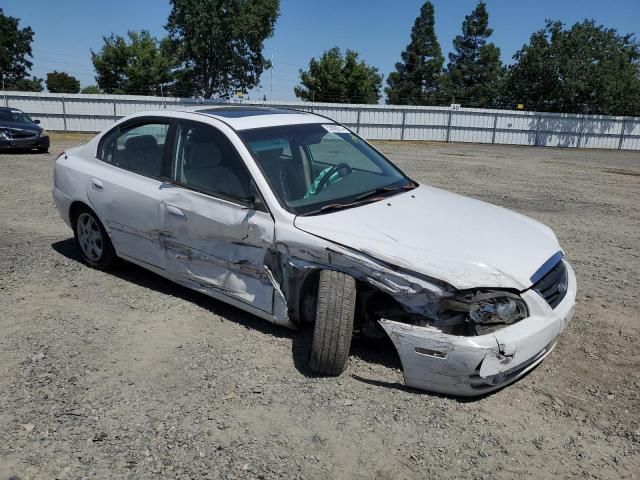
x=416 y=80
x=474 y=72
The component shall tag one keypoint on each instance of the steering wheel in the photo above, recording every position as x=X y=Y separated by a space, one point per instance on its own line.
x=336 y=168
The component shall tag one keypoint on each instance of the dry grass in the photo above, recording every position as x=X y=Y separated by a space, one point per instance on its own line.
x=67 y=137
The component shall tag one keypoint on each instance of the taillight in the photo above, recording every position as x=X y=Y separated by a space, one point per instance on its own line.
x=55 y=168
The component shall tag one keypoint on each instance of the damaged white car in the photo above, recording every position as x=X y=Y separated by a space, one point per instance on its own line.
x=296 y=219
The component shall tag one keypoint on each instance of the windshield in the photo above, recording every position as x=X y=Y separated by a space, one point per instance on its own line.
x=15 y=116
x=314 y=168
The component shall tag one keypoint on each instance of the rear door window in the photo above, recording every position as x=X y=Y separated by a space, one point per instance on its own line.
x=140 y=148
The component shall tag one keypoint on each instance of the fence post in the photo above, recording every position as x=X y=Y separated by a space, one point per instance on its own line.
x=358 y=121
x=115 y=116
x=624 y=125
x=449 y=125
x=580 y=130
x=537 y=140
x=495 y=125
x=64 y=114
x=404 y=123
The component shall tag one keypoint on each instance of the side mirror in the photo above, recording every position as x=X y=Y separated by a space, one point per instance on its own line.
x=37 y=122
x=254 y=200
x=250 y=203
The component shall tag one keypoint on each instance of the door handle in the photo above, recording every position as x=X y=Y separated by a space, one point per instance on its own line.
x=176 y=212
x=97 y=184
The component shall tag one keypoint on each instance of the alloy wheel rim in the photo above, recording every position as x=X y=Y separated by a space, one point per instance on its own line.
x=90 y=237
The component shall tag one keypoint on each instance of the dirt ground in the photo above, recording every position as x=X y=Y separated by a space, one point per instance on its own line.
x=125 y=375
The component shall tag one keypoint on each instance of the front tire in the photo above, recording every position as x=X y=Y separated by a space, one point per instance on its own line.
x=93 y=241
x=333 y=327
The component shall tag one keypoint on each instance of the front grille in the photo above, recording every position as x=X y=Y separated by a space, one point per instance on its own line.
x=553 y=286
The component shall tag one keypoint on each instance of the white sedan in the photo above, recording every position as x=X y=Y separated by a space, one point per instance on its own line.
x=296 y=219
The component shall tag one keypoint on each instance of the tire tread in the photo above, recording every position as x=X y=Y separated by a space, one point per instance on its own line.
x=334 y=323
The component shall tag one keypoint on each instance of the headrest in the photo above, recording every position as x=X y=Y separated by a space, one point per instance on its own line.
x=269 y=155
x=199 y=135
x=141 y=142
x=203 y=155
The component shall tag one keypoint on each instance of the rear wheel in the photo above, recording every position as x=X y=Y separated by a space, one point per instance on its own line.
x=92 y=240
x=334 y=323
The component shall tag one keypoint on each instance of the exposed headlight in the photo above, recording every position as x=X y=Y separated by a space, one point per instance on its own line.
x=484 y=308
x=44 y=133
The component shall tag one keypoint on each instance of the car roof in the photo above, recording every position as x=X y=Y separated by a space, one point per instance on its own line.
x=10 y=109
x=245 y=117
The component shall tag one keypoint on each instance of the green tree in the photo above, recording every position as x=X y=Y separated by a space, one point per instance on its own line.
x=15 y=51
x=90 y=89
x=338 y=78
x=417 y=78
x=219 y=44
x=137 y=67
x=585 y=69
x=475 y=71
x=33 y=84
x=62 y=82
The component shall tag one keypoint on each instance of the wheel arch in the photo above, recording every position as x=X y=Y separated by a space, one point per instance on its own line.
x=74 y=210
x=302 y=297
x=78 y=206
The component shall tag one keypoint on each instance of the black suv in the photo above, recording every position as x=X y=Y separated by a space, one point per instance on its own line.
x=18 y=131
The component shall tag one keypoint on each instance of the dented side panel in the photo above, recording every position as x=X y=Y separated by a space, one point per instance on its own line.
x=217 y=244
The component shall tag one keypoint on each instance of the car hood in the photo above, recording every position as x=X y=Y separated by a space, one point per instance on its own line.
x=462 y=241
x=30 y=127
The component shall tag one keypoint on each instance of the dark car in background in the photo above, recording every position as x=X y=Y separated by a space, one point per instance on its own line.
x=19 y=132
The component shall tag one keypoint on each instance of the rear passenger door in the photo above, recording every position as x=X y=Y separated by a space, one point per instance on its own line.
x=125 y=188
x=217 y=238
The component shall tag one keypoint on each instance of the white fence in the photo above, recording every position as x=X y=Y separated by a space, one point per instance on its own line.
x=92 y=113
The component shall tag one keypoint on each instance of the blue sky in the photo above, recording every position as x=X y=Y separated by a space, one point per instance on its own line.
x=379 y=29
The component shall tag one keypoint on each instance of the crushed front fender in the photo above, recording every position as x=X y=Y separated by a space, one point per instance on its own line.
x=470 y=366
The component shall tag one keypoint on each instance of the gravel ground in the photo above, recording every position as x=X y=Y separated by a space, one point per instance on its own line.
x=125 y=375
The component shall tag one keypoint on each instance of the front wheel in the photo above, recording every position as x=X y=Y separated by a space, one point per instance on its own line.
x=333 y=328
x=92 y=240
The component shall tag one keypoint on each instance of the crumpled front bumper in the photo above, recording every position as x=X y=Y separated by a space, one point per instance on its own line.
x=470 y=366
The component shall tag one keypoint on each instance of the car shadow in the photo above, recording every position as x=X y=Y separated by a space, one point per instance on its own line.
x=22 y=151
x=376 y=352
x=381 y=352
x=133 y=273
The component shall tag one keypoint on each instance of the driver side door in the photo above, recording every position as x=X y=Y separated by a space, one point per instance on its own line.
x=215 y=238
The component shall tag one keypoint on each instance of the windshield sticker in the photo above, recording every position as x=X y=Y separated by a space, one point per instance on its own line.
x=333 y=128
